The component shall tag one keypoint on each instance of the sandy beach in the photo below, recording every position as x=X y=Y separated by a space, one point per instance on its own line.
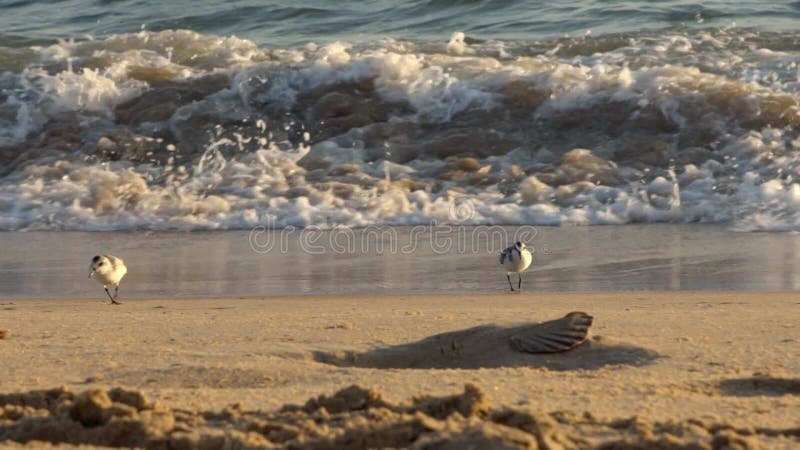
x=692 y=368
x=312 y=213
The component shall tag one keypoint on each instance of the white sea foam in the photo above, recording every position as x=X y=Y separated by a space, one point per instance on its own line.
x=696 y=128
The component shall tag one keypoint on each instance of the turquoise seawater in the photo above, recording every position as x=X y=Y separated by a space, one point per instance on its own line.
x=292 y=23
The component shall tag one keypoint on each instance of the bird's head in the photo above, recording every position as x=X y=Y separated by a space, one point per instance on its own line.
x=100 y=264
x=521 y=246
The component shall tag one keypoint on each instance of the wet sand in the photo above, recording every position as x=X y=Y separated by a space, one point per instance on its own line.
x=710 y=365
x=400 y=260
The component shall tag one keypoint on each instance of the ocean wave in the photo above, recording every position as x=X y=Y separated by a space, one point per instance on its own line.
x=180 y=130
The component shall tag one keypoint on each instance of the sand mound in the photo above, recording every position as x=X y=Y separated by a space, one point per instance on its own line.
x=480 y=348
x=531 y=344
x=353 y=418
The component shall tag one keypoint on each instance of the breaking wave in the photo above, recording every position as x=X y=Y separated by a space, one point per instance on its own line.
x=181 y=130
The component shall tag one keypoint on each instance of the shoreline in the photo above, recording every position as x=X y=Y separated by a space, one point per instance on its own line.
x=640 y=294
x=570 y=259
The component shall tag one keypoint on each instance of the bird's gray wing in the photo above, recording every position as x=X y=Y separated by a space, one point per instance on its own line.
x=505 y=254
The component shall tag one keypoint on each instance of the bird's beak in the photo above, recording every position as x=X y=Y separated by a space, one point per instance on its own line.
x=91 y=274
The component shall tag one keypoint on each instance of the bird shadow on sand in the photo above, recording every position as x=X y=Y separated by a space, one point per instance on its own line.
x=561 y=344
x=757 y=386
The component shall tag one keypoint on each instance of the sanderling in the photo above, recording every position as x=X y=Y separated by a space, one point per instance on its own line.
x=516 y=258
x=108 y=270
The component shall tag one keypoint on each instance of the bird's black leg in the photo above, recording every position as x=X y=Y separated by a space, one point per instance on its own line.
x=519 y=284
x=109 y=294
x=116 y=293
x=508 y=276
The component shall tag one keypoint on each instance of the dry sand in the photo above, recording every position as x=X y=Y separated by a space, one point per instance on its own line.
x=662 y=370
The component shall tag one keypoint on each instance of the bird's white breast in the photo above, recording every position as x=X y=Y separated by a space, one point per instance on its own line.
x=113 y=275
x=517 y=261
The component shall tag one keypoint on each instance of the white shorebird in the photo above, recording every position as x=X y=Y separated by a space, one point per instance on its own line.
x=108 y=270
x=516 y=258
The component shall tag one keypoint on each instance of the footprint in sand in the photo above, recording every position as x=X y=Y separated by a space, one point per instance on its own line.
x=760 y=386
